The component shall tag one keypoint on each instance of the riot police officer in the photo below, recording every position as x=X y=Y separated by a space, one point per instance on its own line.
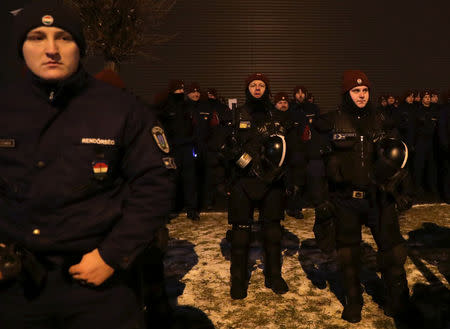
x=425 y=128
x=257 y=151
x=177 y=119
x=362 y=191
x=84 y=183
x=296 y=172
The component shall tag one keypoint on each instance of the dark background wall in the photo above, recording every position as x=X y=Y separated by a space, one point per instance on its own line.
x=399 y=44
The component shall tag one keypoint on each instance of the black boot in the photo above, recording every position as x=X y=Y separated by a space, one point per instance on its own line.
x=349 y=261
x=393 y=273
x=240 y=242
x=272 y=261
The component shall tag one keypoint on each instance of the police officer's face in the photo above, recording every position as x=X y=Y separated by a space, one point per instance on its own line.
x=383 y=102
x=179 y=91
x=360 y=96
x=417 y=98
x=409 y=99
x=51 y=53
x=391 y=100
x=282 y=105
x=434 y=98
x=426 y=100
x=211 y=96
x=257 y=88
x=300 y=96
x=194 y=96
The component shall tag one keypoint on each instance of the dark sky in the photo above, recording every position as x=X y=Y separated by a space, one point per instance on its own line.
x=399 y=43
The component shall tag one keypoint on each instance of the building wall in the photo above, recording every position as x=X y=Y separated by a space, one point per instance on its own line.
x=399 y=44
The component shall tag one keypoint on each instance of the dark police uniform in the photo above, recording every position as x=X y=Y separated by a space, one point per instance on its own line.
x=177 y=119
x=315 y=170
x=257 y=153
x=425 y=167
x=356 y=201
x=80 y=169
x=356 y=198
x=204 y=119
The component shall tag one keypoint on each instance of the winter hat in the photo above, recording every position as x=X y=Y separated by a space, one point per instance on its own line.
x=175 y=85
x=257 y=76
x=297 y=88
x=212 y=91
x=51 y=13
x=435 y=92
x=425 y=92
x=193 y=87
x=281 y=96
x=354 y=78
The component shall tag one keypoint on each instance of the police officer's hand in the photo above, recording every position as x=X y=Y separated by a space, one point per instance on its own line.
x=92 y=270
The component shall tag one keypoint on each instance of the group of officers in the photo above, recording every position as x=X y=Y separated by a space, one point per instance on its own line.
x=86 y=182
x=193 y=117
x=355 y=162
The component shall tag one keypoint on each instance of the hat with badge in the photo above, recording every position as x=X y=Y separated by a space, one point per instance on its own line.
x=175 y=85
x=281 y=96
x=257 y=76
x=51 y=13
x=354 y=78
x=193 y=87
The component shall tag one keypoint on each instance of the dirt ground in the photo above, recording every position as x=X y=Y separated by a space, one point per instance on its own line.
x=197 y=271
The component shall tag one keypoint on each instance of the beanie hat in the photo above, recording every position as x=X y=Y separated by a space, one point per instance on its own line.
x=354 y=78
x=193 y=87
x=257 y=76
x=175 y=85
x=435 y=92
x=110 y=77
x=281 y=96
x=297 y=88
x=425 y=92
x=51 y=13
x=212 y=91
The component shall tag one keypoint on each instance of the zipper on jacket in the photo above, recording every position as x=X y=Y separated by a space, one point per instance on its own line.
x=362 y=151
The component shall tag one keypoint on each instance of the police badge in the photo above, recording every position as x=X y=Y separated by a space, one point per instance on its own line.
x=160 y=139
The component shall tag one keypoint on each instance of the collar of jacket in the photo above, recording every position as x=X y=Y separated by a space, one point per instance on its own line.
x=59 y=93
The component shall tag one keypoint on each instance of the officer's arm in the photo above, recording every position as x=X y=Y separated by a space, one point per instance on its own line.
x=149 y=194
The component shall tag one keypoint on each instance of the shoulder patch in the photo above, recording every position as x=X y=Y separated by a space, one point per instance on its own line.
x=160 y=139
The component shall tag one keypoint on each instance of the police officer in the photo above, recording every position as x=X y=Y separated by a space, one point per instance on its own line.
x=177 y=119
x=203 y=120
x=424 y=137
x=359 y=195
x=315 y=170
x=404 y=116
x=257 y=150
x=84 y=183
x=296 y=174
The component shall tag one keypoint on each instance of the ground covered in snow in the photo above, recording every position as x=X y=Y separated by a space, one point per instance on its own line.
x=197 y=271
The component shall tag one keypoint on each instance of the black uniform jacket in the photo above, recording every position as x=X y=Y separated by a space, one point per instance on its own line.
x=79 y=169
